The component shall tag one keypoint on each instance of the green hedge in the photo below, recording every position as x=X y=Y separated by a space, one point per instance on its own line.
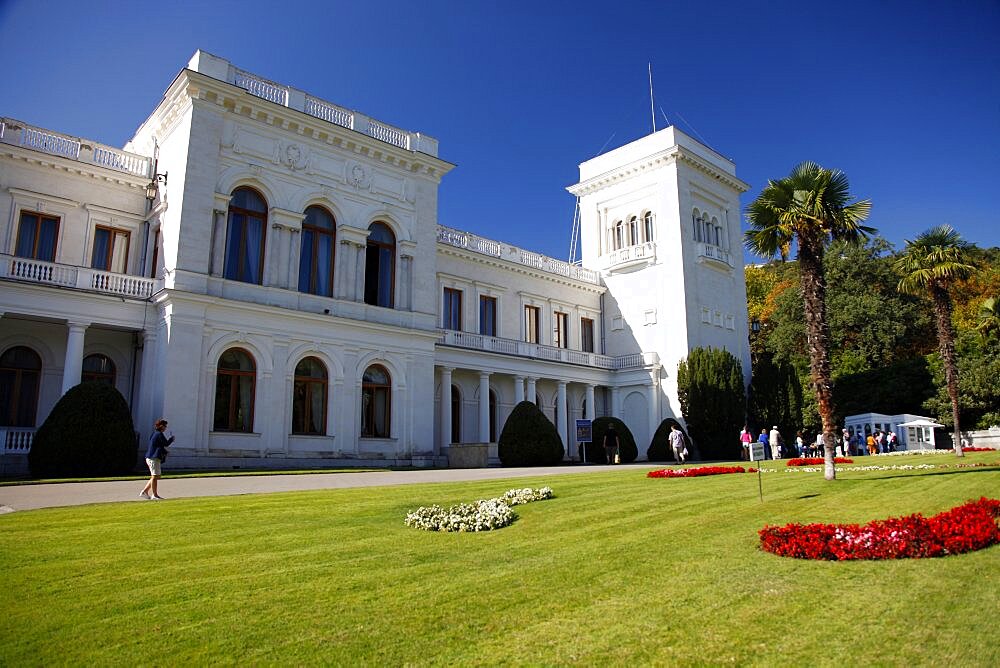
x=88 y=433
x=626 y=449
x=659 y=448
x=529 y=439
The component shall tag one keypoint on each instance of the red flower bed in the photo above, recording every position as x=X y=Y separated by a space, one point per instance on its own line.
x=971 y=526
x=816 y=461
x=971 y=449
x=699 y=471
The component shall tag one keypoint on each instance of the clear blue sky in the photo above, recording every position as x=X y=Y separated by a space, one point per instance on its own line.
x=902 y=96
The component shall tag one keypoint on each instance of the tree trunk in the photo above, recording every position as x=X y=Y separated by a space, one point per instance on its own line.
x=818 y=339
x=946 y=345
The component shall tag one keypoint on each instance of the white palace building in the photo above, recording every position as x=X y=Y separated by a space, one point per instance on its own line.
x=266 y=269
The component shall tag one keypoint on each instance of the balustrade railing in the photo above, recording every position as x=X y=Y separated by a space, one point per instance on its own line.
x=644 y=252
x=16 y=440
x=485 y=246
x=388 y=134
x=496 y=344
x=262 y=88
x=63 y=275
x=713 y=252
x=329 y=112
x=45 y=141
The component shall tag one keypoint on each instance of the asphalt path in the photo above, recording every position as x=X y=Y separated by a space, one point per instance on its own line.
x=51 y=495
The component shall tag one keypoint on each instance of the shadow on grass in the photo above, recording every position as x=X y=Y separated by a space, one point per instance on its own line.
x=984 y=469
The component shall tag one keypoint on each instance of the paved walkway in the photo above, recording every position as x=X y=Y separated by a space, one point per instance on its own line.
x=29 y=497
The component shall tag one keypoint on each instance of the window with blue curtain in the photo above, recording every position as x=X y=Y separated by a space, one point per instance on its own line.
x=316 y=258
x=36 y=236
x=245 y=236
x=380 y=265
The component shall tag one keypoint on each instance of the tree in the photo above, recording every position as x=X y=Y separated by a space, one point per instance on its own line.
x=811 y=208
x=775 y=396
x=529 y=439
x=88 y=433
x=713 y=400
x=930 y=264
x=989 y=318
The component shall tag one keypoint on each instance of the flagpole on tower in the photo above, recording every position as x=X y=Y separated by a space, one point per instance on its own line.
x=652 y=113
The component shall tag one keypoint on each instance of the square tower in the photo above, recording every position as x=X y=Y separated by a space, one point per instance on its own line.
x=660 y=220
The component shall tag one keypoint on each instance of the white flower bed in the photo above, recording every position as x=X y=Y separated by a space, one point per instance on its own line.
x=483 y=515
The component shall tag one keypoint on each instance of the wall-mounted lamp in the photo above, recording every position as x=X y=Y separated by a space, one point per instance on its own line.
x=153 y=187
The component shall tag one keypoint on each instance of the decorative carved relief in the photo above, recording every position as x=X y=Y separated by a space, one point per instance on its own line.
x=358 y=175
x=295 y=156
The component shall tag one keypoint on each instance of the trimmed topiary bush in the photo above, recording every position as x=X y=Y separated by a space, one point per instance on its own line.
x=529 y=439
x=626 y=449
x=659 y=448
x=88 y=433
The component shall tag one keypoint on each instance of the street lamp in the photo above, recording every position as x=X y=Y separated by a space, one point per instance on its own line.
x=153 y=187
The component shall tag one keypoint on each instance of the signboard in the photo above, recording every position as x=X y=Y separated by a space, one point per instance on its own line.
x=584 y=431
x=757 y=452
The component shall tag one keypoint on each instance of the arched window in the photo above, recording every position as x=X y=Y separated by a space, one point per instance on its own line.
x=98 y=368
x=715 y=231
x=235 y=383
x=309 y=398
x=456 y=415
x=316 y=259
x=647 y=224
x=697 y=223
x=245 y=236
x=633 y=231
x=493 y=416
x=380 y=265
x=375 y=402
x=618 y=241
x=20 y=377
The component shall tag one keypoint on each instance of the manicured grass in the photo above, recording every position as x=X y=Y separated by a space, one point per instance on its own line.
x=184 y=473
x=617 y=569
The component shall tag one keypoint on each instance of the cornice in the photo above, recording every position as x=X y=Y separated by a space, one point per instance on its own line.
x=514 y=267
x=242 y=104
x=74 y=167
x=657 y=160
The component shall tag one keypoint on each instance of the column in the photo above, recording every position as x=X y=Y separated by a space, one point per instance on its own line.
x=591 y=408
x=73 y=364
x=406 y=284
x=518 y=389
x=144 y=415
x=359 y=274
x=654 y=406
x=616 y=403
x=561 y=416
x=531 y=394
x=343 y=279
x=445 y=407
x=294 y=251
x=484 y=407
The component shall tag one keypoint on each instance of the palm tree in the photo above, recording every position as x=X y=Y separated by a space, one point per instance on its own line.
x=810 y=207
x=930 y=264
x=989 y=317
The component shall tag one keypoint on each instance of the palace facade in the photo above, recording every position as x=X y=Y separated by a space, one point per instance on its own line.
x=267 y=270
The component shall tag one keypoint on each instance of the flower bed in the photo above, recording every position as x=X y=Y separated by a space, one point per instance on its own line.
x=699 y=471
x=972 y=449
x=816 y=461
x=971 y=526
x=482 y=515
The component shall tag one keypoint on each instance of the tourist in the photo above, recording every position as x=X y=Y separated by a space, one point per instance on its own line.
x=774 y=439
x=764 y=440
x=845 y=437
x=745 y=438
x=155 y=454
x=677 y=443
x=611 y=444
x=800 y=445
x=890 y=441
x=870 y=442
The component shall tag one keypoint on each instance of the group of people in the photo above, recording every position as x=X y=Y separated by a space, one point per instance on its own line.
x=847 y=445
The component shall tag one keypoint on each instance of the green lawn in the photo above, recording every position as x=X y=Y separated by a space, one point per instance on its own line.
x=616 y=569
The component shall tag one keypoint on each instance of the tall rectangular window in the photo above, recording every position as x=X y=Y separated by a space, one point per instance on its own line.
x=587 y=335
x=110 y=250
x=156 y=254
x=531 y=324
x=488 y=316
x=560 y=330
x=452 y=309
x=36 y=236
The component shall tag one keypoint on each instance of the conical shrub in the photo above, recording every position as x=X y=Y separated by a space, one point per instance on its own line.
x=529 y=439
x=88 y=433
x=627 y=450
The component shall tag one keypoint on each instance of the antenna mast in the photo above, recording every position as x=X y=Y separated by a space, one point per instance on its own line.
x=576 y=233
x=651 y=112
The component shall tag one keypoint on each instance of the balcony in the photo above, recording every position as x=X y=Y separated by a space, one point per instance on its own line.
x=713 y=255
x=82 y=278
x=491 y=248
x=493 y=344
x=630 y=256
x=16 y=133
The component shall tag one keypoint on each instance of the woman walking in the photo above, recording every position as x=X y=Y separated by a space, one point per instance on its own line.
x=155 y=454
